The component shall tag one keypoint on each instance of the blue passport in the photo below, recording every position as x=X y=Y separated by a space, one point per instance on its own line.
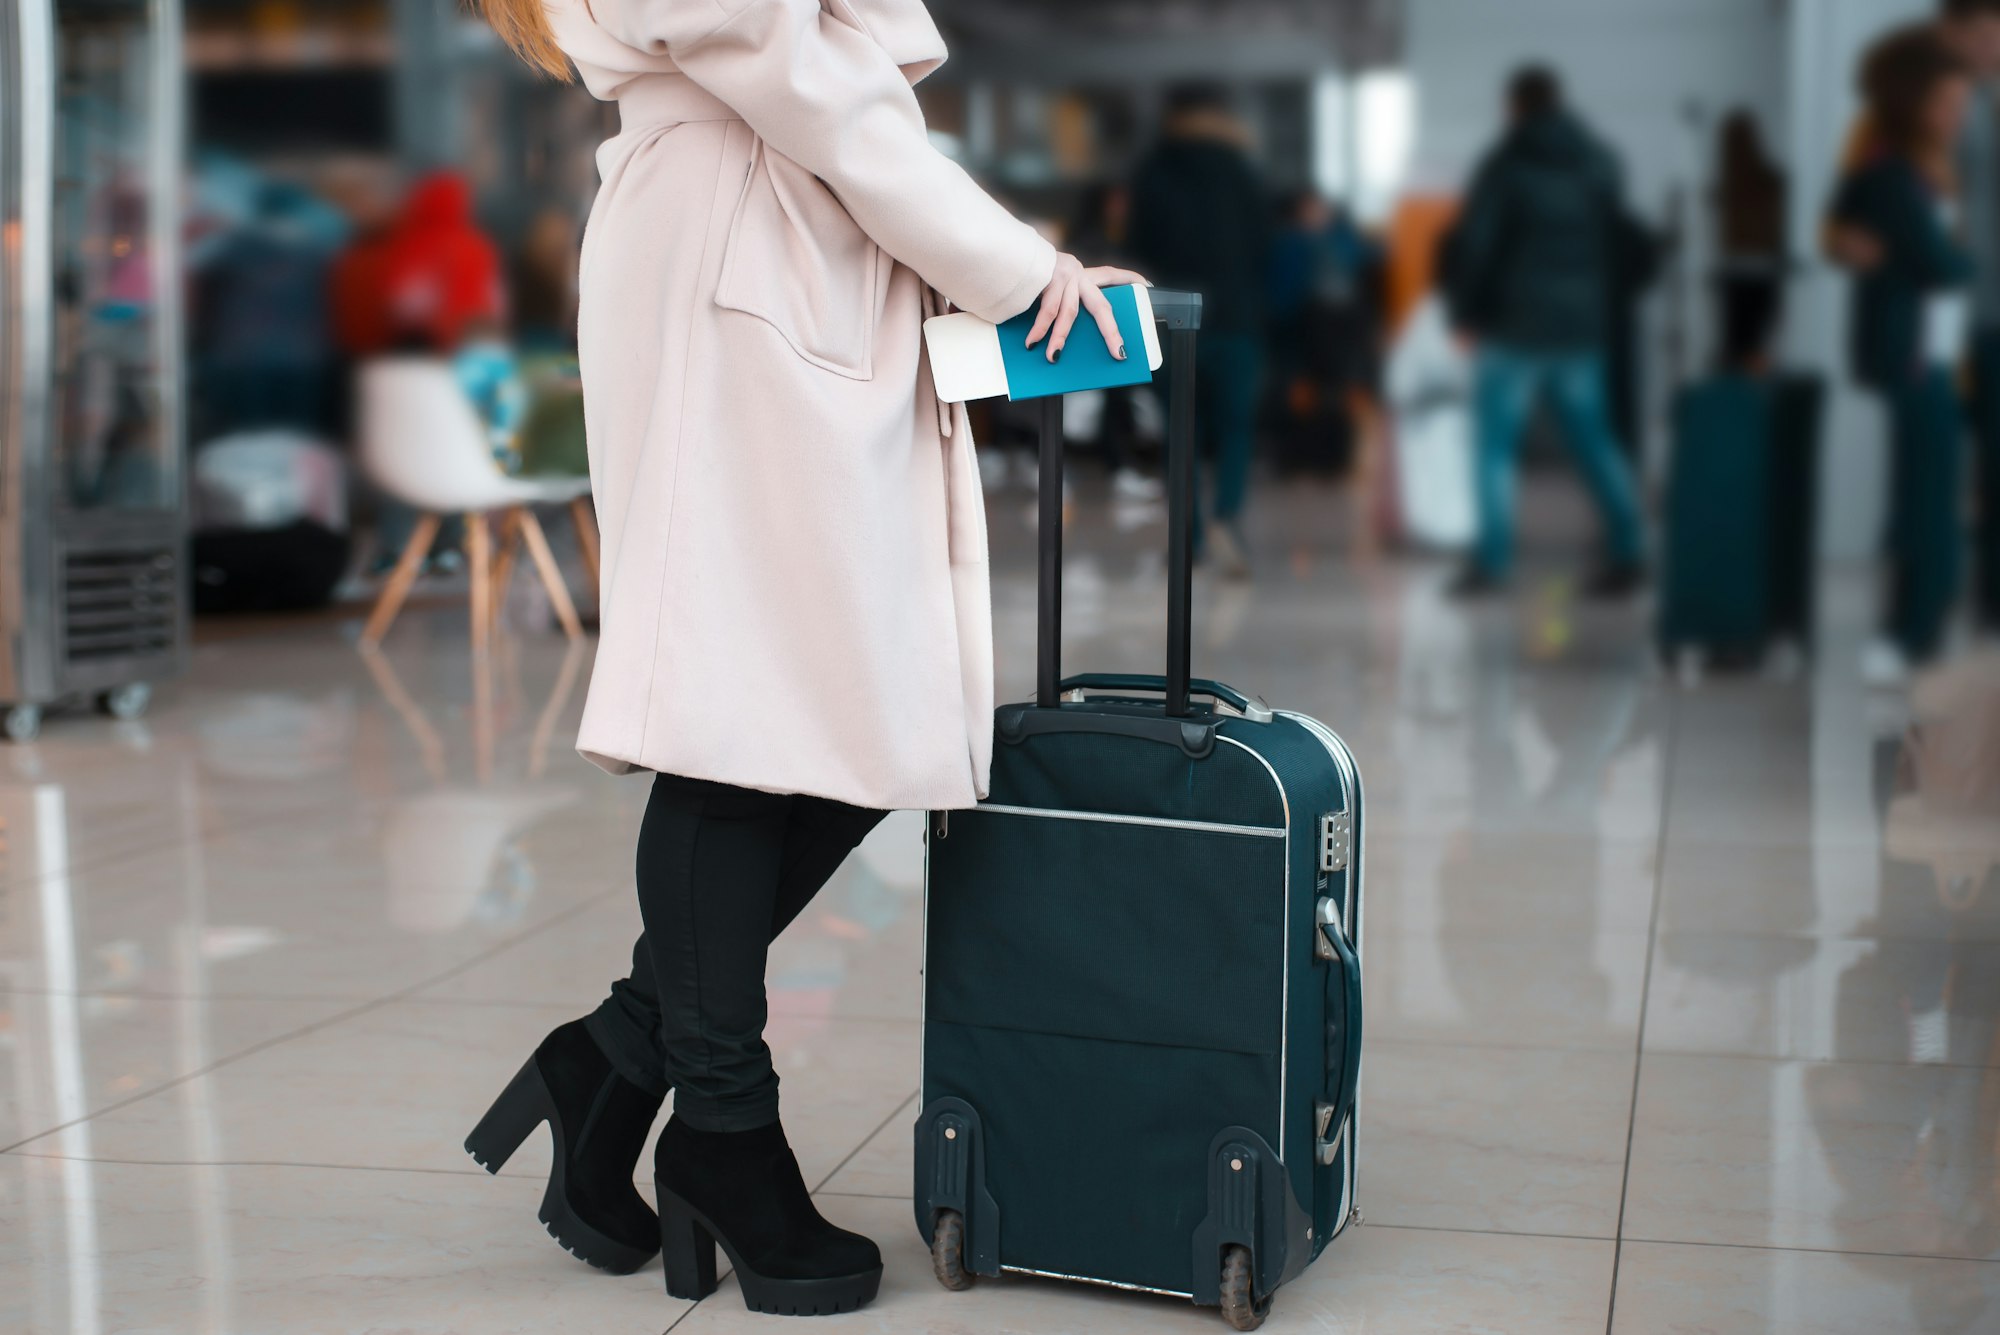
x=1086 y=361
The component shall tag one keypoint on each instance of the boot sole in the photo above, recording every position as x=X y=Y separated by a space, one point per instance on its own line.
x=690 y=1269
x=524 y=1105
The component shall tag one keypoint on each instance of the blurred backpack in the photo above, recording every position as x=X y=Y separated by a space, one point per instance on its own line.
x=270 y=523
x=1430 y=397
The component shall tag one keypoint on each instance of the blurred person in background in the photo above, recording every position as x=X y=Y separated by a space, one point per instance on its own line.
x=1201 y=219
x=1970 y=31
x=421 y=281
x=418 y=283
x=790 y=517
x=1911 y=311
x=1098 y=235
x=1326 y=310
x=259 y=337
x=1750 y=213
x=1528 y=271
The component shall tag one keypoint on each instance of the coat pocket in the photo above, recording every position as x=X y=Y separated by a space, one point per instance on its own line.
x=796 y=259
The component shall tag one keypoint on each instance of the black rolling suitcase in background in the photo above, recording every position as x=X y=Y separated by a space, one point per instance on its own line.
x=1142 y=995
x=1798 y=420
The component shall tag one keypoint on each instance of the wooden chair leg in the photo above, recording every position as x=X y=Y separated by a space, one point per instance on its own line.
x=551 y=573
x=408 y=566
x=509 y=548
x=585 y=520
x=479 y=556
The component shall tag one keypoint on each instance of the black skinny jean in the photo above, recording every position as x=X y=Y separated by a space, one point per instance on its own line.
x=722 y=870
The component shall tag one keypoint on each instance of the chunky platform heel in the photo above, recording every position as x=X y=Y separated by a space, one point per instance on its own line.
x=742 y=1191
x=686 y=1248
x=521 y=1107
x=598 y=1122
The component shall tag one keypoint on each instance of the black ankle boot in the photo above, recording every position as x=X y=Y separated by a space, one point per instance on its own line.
x=599 y=1121
x=742 y=1189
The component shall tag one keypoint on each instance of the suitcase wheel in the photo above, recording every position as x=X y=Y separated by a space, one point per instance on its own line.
x=948 y=1252
x=1241 y=1307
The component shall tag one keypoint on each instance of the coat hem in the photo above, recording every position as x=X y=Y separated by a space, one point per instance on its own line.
x=622 y=766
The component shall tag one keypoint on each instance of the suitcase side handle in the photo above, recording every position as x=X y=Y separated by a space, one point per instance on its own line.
x=1180 y=313
x=1333 y=1117
x=1248 y=706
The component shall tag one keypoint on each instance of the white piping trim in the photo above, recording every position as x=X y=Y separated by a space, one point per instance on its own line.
x=1350 y=782
x=1162 y=822
x=1104 y=1283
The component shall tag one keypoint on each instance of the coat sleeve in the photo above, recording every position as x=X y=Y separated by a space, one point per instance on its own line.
x=821 y=91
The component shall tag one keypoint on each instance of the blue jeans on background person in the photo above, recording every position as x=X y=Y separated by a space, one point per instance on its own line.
x=1925 y=538
x=1228 y=368
x=1510 y=382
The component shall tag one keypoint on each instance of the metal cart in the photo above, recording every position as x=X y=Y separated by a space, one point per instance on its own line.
x=93 y=599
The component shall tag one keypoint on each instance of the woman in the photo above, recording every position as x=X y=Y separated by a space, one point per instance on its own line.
x=1909 y=326
x=1750 y=226
x=796 y=629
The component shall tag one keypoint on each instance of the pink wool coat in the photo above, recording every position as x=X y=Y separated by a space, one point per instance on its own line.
x=794 y=593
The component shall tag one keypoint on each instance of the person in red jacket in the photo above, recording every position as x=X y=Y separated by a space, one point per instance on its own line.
x=419 y=283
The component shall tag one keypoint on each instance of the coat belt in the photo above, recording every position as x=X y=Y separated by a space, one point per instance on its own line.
x=669 y=99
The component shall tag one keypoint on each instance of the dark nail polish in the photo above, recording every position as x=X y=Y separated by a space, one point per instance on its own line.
x=1055 y=354
x=1120 y=354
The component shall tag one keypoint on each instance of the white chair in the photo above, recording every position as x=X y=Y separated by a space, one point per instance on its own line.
x=423 y=443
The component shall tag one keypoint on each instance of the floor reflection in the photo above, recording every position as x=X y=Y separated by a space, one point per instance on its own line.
x=1723 y=964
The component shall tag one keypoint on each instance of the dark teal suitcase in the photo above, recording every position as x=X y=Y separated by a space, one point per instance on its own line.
x=1741 y=538
x=1714 y=588
x=1142 y=995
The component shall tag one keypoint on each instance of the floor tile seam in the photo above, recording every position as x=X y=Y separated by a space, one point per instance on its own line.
x=864 y=1195
x=1460 y=1044
x=1670 y=723
x=500 y=1003
x=225 y=828
x=125 y=1161
x=1856 y=938
x=495 y=1003
x=1811 y=1251
x=349 y=998
x=866 y=1140
x=1894 y=1063
x=338 y=1017
x=1622 y=935
x=1485 y=1232
x=1625 y=843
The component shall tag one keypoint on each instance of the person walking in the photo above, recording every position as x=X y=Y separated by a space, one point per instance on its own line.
x=1201 y=219
x=1527 y=269
x=796 y=628
x=1911 y=311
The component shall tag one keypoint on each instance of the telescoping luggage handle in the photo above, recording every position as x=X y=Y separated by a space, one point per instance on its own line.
x=1180 y=314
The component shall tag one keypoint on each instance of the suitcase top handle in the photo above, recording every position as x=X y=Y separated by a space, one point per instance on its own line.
x=1180 y=314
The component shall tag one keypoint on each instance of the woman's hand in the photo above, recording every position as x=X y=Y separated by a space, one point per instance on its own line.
x=1071 y=287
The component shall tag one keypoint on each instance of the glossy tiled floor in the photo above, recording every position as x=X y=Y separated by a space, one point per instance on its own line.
x=1684 y=1007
